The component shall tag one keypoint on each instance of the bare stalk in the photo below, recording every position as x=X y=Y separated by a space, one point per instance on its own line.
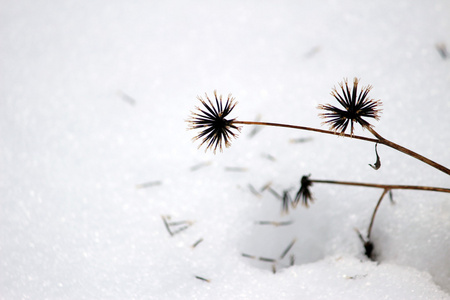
x=368 y=245
x=375 y=212
x=395 y=146
x=379 y=139
x=305 y=128
x=384 y=186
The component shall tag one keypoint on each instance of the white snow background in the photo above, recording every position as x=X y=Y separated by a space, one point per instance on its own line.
x=94 y=149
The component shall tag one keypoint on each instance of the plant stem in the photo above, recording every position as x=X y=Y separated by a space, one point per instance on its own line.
x=395 y=146
x=384 y=186
x=375 y=212
x=305 y=128
x=379 y=139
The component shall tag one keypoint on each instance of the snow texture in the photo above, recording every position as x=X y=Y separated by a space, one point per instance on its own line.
x=94 y=151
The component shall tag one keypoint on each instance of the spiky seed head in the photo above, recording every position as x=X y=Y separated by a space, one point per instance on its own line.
x=216 y=130
x=357 y=105
x=304 y=193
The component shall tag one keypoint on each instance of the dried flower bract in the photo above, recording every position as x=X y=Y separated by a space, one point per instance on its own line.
x=357 y=105
x=304 y=193
x=210 y=119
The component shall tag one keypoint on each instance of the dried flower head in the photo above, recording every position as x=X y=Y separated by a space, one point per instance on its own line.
x=304 y=192
x=216 y=130
x=356 y=107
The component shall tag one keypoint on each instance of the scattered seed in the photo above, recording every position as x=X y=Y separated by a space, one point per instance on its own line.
x=203 y=279
x=391 y=197
x=300 y=140
x=285 y=199
x=169 y=225
x=285 y=202
x=130 y=100
x=180 y=229
x=442 y=49
x=197 y=242
x=200 y=165
x=255 y=129
x=248 y=256
x=312 y=52
x=253 y=190
x=274 y=223
x=266 y=186
x=236 y=169
x=269 y=157
x=357 y=276
x=273 y=192
x=180 y=223
x=288 y=248
x=148 y=184
x=259 y=258
x=267 y=259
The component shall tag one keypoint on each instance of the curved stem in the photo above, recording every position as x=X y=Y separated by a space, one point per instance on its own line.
x=375 y=212
x=379 y=139
x=305 y=128
x=385 y=186
x=395 y=146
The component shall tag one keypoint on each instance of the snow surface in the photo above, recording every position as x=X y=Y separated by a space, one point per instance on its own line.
x=93 y=101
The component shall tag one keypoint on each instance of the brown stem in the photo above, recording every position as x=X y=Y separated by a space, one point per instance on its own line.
x=306 y=128
x=379 y=139
x=395 y=146
x=375 y=212
x=384 y=186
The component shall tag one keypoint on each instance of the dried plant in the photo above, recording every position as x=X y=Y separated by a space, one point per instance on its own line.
x=218 y=130
x=305 y=194
x=357 y=106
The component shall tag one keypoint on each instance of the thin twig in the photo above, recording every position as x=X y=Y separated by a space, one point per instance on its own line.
x=305 y=128
x=384 y=186
x=375 y=212
x=397 y=147
x=379 y=139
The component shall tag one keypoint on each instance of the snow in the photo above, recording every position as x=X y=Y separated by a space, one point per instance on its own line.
x=94 y=150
